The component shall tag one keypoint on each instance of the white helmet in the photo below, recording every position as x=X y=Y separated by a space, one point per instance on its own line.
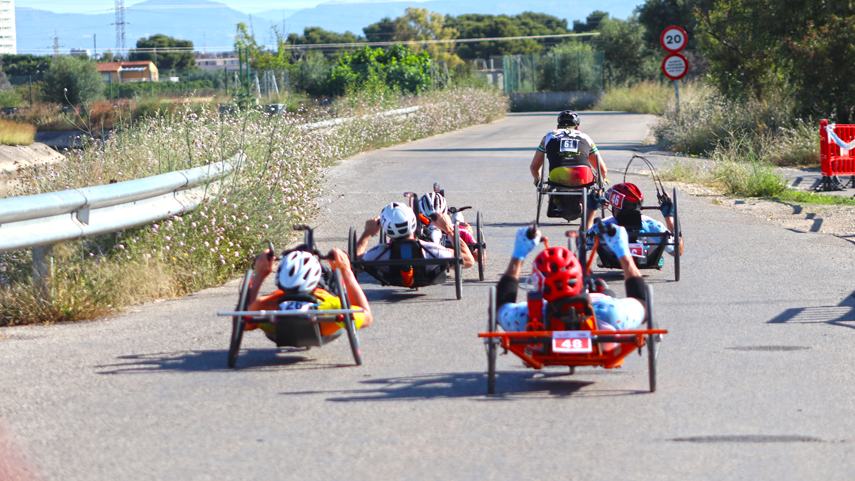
x=398 y=220
x=298 y=270
x=432 y=203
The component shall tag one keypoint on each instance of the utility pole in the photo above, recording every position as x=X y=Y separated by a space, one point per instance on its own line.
x=56 y=44
x=120 y=26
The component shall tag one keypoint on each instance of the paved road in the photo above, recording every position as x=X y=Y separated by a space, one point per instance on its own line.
x=755 y=377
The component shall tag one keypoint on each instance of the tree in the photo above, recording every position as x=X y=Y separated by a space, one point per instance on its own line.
x=382 y=31
x=4 y=82
x=167 y=58
x=490 y=26
x=823 y=83
x=592 y=22
x=421 y=24
x=72 y=80
x=398 y=67
x=621 y=41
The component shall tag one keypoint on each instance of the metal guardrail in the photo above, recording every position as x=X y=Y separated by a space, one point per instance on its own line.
x=334 y=122
x=43 y=219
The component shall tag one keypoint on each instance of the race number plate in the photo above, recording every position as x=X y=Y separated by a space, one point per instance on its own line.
x=571 y=342
x=637 y=250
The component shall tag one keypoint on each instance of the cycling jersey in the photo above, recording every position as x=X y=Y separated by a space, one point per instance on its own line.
x=439 y=237
x=566 y=148
x=647 y=225
x=430 y=250
x=611 y=314
x=324 y=301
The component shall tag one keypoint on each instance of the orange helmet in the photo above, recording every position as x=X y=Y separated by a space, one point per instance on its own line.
x=559 y=272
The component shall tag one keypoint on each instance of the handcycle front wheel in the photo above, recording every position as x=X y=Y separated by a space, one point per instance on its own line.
x=238 y=322
x=458 y=267
x=479 y=238
x=677 y=235
x=652 y=340
x=351 y=244
x=491 y=343
x=349 y=326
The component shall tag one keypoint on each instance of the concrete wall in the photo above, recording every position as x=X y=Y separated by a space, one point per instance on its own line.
x=553 y=101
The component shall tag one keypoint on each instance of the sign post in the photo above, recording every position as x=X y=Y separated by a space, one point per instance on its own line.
x=675 y=66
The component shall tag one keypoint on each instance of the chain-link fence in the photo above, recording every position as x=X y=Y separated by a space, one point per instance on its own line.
x=554 y=72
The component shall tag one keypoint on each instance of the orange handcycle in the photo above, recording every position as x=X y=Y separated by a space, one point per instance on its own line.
x=570 y=338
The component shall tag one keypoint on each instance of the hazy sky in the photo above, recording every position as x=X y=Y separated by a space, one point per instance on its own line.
x=104 y=6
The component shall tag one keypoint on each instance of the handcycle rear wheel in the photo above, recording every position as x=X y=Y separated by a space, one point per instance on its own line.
x=677 y=234
x=341 y=292
x=652 y=339
x=238 y=322
x=479 y=238
x=458 y=268
x=491 y=344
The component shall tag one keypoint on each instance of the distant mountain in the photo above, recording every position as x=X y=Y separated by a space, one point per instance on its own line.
x=211 y=25
x=341 y=17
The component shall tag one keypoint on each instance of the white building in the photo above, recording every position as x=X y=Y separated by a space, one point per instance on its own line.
x=7 y=27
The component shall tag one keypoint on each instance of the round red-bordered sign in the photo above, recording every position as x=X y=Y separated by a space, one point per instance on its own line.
x=673 y=39
x=675 y=66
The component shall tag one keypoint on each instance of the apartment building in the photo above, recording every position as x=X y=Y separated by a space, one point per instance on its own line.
x=7 y=27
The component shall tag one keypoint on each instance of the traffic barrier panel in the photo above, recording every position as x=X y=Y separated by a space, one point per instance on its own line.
x=837 y=155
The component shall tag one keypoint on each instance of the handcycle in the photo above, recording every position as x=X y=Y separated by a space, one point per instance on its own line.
x=478 y=248
x=571 y=181
x=647 y=248
x=407 y=266
x=570 y=337
x=296 y=328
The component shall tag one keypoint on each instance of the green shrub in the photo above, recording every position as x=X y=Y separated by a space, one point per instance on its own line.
x=72 y=80
x=10 y=98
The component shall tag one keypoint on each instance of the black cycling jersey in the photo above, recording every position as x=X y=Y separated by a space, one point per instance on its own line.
x=567 y=148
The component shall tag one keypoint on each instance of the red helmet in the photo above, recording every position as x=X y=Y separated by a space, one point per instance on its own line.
x=560 y=273
x=625 y=196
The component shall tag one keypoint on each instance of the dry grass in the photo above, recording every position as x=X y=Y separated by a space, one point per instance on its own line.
x=16 y=133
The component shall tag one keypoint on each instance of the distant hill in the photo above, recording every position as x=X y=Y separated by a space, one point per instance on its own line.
x=211 y=25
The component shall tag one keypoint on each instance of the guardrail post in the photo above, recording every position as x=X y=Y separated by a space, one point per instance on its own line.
x=42 y=267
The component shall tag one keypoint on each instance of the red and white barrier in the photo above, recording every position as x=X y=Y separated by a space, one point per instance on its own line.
x=837 y=155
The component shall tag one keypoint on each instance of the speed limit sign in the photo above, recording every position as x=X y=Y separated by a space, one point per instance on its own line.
x=673 y=39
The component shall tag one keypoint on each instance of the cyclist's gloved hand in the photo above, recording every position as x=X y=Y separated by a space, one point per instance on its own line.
x=523 y=245
x=619 y=242
x=667 y=206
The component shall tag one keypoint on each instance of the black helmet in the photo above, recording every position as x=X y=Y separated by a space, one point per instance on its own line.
x=568 y=118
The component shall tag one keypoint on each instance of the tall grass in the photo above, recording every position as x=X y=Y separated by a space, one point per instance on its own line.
x=707 y=121
x=646 y=97
x=280 y=183
x=16 y=133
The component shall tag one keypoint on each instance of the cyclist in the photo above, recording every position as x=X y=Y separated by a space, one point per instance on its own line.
x=297 y=281
x=430 y=206
x=625 y=200
x=567 y=146
x=557 y=274
x=398 y=221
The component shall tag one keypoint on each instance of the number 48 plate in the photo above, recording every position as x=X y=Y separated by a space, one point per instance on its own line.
x=571 y=342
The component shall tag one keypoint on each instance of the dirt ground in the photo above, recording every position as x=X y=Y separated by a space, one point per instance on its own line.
x=826 y=219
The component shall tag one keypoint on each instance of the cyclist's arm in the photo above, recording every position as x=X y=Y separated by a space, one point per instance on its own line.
x=263 y=268
x=372 y=227
x=443 y=223
x=598 y=163
x=354 y=290
x=536 y=165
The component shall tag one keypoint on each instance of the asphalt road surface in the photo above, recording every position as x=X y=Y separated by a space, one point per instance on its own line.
x=755 y=375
